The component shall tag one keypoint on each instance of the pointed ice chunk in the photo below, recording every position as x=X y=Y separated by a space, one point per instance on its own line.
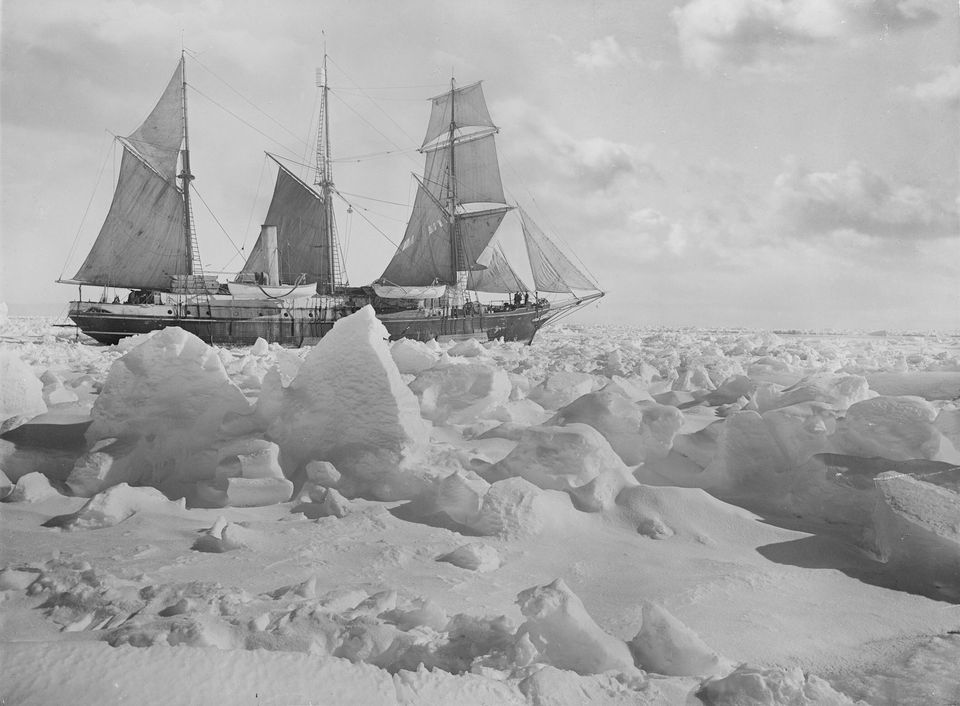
x=348 y=405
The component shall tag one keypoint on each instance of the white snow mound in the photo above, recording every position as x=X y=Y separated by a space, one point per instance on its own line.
x=31 y=488
x=564 y=634
x=754 y=686
x=558 y=458
x=474 y=556
x=21 y=392
x=169 y=395
x=348 y=405
x=116 y=504
x=666 y=646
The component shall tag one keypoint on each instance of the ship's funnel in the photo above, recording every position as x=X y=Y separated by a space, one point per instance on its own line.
x=268 y=236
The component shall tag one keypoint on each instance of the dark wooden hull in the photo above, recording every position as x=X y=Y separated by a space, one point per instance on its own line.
x=107 y=327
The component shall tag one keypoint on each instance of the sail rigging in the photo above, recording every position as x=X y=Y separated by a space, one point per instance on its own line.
x=424 y=255
x=292 y=287
x=143 y=242
x=299 y=215
x=460 y=206
x=466 y=104
x=329 y=278
x=460 y=202
x=477 y=173
x=496 y=275
x=552 y=270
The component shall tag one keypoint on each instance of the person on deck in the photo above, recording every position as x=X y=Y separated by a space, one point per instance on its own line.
x=526 y=298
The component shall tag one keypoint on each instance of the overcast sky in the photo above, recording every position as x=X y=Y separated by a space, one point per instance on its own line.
x=759 y=163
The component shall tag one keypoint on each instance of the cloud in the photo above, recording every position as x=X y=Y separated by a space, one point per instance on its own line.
x=858 y=200
x=606 y=53
x=757 y=33
x=581 y=165
x=943 y=89
x=583 y=189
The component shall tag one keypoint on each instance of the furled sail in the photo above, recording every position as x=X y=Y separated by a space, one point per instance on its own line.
x=424 y=255
x=468 y=107
x=552 y=270
x=142 y=241
x=297 y=212
x=497 y=277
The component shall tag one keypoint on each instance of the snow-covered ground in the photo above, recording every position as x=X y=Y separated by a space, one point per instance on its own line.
x=610 y=515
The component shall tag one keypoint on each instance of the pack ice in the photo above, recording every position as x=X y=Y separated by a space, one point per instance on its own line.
x=606 y=516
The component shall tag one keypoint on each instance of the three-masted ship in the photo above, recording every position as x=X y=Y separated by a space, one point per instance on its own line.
x=292 y=287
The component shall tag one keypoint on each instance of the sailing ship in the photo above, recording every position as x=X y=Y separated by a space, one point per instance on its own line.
x=292 y=287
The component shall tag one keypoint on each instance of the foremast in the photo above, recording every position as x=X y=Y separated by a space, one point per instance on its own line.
x=193 y=263
x=328 y=279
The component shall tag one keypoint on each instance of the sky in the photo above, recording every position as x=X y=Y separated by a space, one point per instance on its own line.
x=713 y=163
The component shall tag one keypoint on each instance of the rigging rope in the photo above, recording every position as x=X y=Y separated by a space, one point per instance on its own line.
x=372 y=224
x=292 y=289
x=230 y=112
x=83 y=219
x=389 y=117
x=372 y=155
x=373 y=127
x=370 y=198
x=194 y=56
x=217 y=220
x=435 y=86
x=546 y=218
x=309 y=149
x=253 y=204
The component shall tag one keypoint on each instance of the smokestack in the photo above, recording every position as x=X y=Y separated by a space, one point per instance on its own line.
x=268 y=236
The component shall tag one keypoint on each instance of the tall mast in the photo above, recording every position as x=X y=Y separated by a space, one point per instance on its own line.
x=185 y=176
x=452 y=187
x=325 y=181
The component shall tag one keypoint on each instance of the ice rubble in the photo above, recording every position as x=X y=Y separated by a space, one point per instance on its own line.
x=523 y=443
x=166 y=428
x=564 y=635
x=114 y=505
x=666 y=646
x=224 y=536
x=21 y=393
x=348 y=405
x=918 y=530
x=31 y=488
x=772 y=687
x=383 y=628
x=473 y=556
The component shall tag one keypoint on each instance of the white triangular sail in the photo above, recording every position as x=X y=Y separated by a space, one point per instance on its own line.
x=303 y=243
x=142 y=242
x=424 y=255
x=497 y=276
x=159 y=138
x=476 y=230
x=552 y=270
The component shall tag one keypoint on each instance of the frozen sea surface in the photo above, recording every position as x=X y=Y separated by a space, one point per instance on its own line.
x=610 y=515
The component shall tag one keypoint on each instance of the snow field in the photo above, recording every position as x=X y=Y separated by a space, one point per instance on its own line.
x=488 y=523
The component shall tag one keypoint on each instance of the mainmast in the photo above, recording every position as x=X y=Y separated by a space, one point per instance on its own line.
x=327 y=280
x=186 y=177
x=452 y=187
